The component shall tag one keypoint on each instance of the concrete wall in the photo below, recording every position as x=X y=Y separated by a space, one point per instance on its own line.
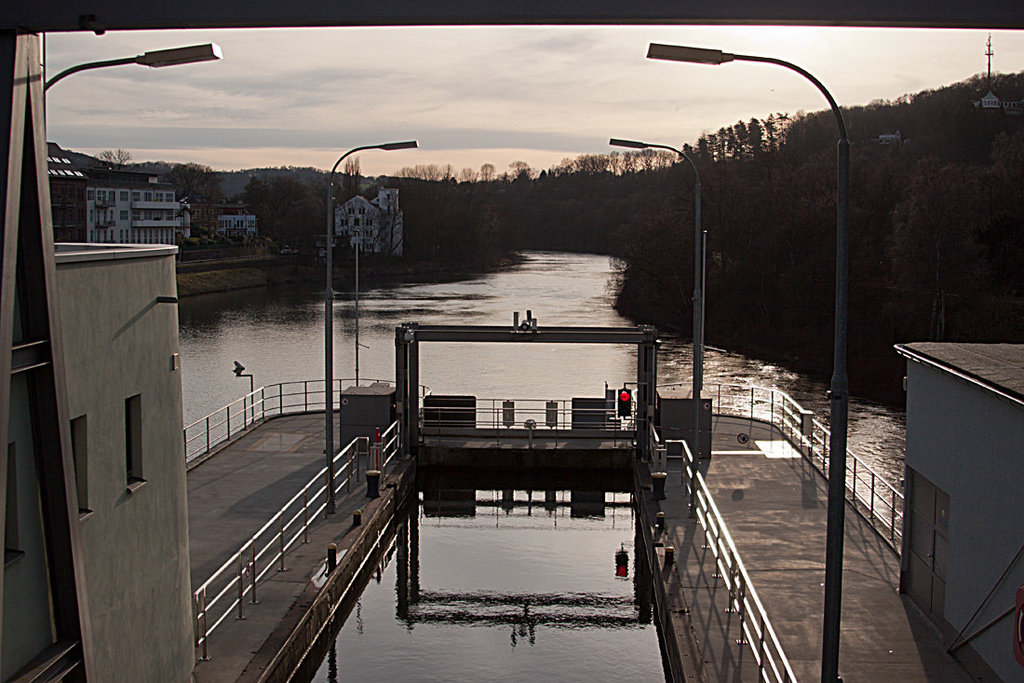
x=119 y=342
x=967 y=441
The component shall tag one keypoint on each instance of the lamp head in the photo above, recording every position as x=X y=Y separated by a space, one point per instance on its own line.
x=181 y=55
x=239 y=369
x=389 y=146
x=632 y=144
x=696 y=55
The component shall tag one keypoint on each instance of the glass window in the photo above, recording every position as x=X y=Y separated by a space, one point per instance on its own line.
x=148 y=196
x=124 y=214
x=124 y=196
x=135 y=196
x=89 y=194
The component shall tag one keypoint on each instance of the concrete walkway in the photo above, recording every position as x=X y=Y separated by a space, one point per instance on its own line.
x=233 y=494
x=774 y=508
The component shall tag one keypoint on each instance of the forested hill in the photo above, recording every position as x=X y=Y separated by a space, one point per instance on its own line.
x=936 y=227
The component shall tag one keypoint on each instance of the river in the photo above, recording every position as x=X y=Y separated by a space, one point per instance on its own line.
x=278 y=335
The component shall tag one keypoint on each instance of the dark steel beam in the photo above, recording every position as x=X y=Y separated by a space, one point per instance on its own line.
x=103 y=15
x=542 y=335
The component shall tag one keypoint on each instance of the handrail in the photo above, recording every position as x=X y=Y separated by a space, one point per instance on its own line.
x=280 y=533
x=204 y=435
x=755 y=628
x=873 y=497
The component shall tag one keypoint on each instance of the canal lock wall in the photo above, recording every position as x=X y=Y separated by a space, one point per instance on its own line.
x=301 y=639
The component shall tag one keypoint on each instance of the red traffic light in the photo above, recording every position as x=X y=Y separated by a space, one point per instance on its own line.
x=624 y=396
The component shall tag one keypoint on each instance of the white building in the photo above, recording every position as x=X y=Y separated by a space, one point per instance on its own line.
x=237 y=225
x=125 y=207
x=378 y=223
x=963 y=541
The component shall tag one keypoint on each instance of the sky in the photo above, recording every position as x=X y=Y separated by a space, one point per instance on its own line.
x=473 y=95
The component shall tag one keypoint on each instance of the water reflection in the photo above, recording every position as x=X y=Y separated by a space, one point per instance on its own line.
x=504 y=585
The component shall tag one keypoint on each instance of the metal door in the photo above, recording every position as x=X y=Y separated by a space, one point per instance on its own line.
x=929 y=544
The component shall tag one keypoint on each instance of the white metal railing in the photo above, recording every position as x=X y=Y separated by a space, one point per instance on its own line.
x=240 y=575
x=755 y=628
x=548 y=415
x=285 y=398
x=871 y=494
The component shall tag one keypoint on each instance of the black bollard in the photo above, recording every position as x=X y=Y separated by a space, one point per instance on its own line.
x=373 y=483
x=670 y=555
x=357 y=518
x=658 y=479
x=332 y=557
x=661 y=522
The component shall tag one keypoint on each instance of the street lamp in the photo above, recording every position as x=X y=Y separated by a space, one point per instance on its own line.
x=156 y=58
x=838 y=394
x=698 y=304
x=329 y=315
x=240 y=372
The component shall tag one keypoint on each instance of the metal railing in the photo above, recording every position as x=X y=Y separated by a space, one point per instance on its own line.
x=755 y=629
x=267 y=549
x=519 y=418
x=870 y=493
x=285 y=398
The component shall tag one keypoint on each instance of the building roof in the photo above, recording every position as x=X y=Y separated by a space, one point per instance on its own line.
x=999 y=368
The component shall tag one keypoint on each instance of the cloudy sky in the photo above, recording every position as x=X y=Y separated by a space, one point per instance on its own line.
x=472 y=95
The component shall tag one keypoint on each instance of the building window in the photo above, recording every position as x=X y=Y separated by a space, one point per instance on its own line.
x=124 y=195
x=148 y=196
x=133 y=440
x=135 y=196
x=80 y=454
x=124 y=214
x=12 y=549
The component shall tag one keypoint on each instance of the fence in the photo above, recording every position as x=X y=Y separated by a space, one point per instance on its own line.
x=874 y=497
x=755 y=629
x=266 y=550
x=285 y=398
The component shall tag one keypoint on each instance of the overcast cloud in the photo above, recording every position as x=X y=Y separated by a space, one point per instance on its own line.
x=472 y=95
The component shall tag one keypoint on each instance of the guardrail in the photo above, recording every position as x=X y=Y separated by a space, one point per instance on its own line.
x=240 y=575
x=541 y=414
x=285 y=398
x=755 y=629
x=870 y=493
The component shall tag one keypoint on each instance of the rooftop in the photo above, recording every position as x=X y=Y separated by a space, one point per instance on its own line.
x=996 y=367
x=73 y=252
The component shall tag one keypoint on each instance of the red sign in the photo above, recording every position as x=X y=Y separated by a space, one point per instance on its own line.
x=1018 y=628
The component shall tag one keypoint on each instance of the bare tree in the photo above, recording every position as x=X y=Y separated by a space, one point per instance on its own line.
x=116 y=158
x=468 y=175
x=350 y=179
x=487 y=172
x=521 y=170
x=195 y=182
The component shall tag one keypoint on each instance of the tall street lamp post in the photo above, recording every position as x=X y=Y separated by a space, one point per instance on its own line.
x=698 y=303
x=838 y=395
x=329 y=315
x=156 y=58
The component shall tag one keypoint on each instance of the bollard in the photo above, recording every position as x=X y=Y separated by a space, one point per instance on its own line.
x=658 y=479
x=373 y=483
x=670 y=555
x=661 y=522
x=332 y=557
x=357 y=518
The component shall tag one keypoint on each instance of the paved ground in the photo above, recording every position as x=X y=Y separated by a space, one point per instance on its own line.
x=774 y=508
x=231 y=496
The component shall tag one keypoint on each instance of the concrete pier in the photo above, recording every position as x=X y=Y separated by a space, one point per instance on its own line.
x=232 y=495
x=773 y=503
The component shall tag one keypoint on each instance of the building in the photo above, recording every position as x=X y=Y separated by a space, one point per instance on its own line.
x=963 y=542
x=125 y=497
x=377 y=223
x=67 y=196
x=234 y=221
x=127 y=207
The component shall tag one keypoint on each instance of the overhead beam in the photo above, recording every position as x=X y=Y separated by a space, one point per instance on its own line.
x=542 y=335
x=103 y=15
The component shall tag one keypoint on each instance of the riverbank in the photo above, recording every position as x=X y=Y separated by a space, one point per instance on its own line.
x=213 y=277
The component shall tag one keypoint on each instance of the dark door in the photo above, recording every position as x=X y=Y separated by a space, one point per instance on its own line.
x=929 y=543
